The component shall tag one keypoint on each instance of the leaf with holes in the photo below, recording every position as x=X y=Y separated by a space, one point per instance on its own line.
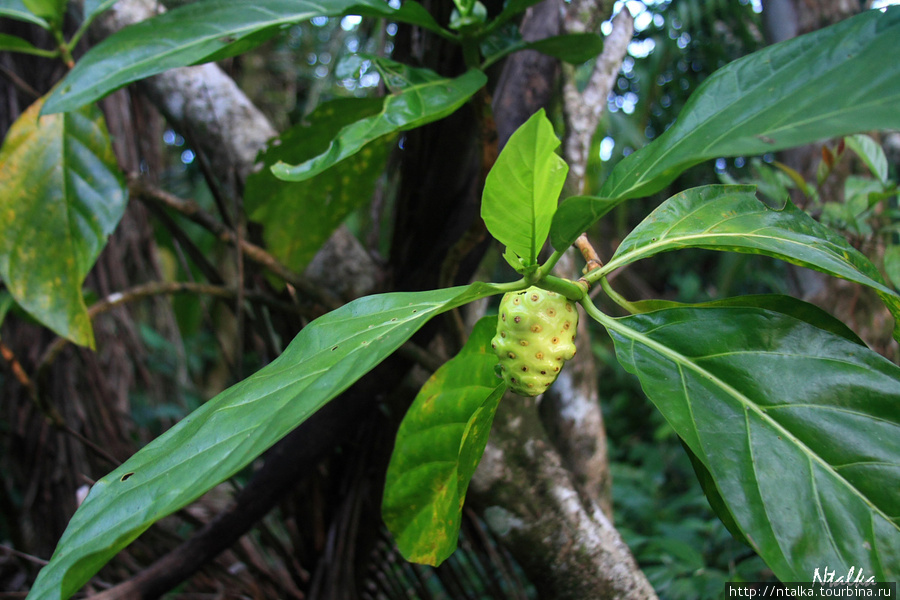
x=439 y=445
x=225 y=434
x=61 y=196
x=798 y=427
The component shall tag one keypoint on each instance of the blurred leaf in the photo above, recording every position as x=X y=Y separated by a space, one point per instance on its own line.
x=15 y=9
x=93 y=8
x=422 y=96
x=730 y=218
x=225 y=434
x=298 y=217
x=190 y=34
x=61 y=196
x=12 y=43
x=861 y=194
x=798 y=428
x=438 y=447
x=892 y=264
x=6 y=302
x=409 y=12
x=871 y=153
x=50 y=10
x=522 y=189
x=835 y=81
x=796 y=177
x=573 y=48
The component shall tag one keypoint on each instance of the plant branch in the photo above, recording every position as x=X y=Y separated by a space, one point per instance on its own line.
x=561 y=537
x=584 y=109
x=192 y=211
x=156 y=289
x=617 y=297
x=587 y=251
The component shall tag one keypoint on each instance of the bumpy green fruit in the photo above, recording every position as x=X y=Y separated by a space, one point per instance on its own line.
x=535 y=337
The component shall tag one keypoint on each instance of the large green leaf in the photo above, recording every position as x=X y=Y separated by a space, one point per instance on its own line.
x=839 y=80
x=438 y=447
x=798 y=427
x=297 y=217
x=229 y=431
x=420 y=97
x=15 y=9
x=787 y=305
x=730 y=218
x=190 y=34
x=61 y=196
x=522 y=190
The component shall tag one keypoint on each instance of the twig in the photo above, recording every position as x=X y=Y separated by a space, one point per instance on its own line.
x=20 y=554
x=17 y=370
x=587 y=251
x=191 y=210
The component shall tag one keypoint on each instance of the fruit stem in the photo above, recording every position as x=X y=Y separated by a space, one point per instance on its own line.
x=573 y=290
x=617 y=298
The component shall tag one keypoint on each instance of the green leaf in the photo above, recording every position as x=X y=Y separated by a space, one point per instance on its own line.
x=573 y=48
x=228 y=432
x=714 y=496
x=297 y=218
x=438 y=447
x=51 y=11
x=15 y=9
x=191 y=34
x=522 y=190
x=798 y=427
x=730 y=218
x=422 y=97
x=6 y=303
x=92 y=8
x=410 y=12
x=786 y=305
x=510 y=9
x=574 y=216
x=12 y=43
x=61 y=196
x=871 y=153
x=835 y=81
x=892 y=264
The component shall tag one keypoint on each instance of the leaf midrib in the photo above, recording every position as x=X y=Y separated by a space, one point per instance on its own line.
x=680 y=359
x=659 y=246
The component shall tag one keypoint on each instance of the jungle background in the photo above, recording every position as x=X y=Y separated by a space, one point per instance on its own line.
x=192 y=295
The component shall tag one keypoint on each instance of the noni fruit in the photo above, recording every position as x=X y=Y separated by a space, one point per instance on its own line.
x=535 y=337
